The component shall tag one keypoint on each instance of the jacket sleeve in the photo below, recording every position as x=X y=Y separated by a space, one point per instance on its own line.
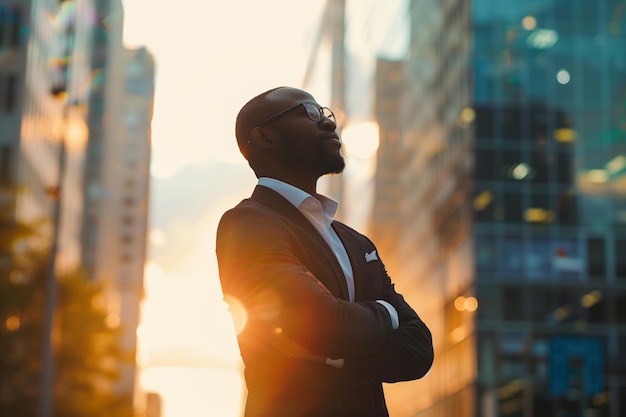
x=259 y=269
x=409 y=355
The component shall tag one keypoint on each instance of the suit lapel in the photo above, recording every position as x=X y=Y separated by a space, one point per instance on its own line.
x=353 y=248
x=283 y=207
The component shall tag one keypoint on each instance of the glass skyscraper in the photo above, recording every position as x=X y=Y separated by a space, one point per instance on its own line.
x=550 y=206
x=509 y=204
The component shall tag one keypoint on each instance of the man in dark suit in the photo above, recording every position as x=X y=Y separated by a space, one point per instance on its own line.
x=319 y=324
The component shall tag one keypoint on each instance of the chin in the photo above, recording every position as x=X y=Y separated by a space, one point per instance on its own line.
x=337 y=168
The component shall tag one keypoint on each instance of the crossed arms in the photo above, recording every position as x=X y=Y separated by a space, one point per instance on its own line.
x=265 y=266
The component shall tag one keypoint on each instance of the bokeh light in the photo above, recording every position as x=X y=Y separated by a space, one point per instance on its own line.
x=361 y=139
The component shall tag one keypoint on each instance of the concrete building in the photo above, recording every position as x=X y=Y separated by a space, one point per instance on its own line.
x=75 y=117
x=43 y=66
x=421 y=215
x=116 y=177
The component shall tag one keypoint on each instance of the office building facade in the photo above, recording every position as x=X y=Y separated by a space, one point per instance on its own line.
x=511 y=215
x=549 y=226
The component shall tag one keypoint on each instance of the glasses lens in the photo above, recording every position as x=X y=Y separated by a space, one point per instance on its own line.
x=328 y=113
x=313 y=112
x=316 y=113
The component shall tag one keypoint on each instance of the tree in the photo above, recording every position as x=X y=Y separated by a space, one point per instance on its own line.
x=87 y=350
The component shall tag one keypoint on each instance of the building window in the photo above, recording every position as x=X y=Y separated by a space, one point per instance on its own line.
x=3 y=89
x=485 y=253
x=11 y=92
x=567 y=209
x=513 y=306
x=3 y=23
x=541 y=304
x=5 y=164
x=620 y=308
x=511 y=208
x=619 y=360
x=488 y=300
x=484 y=165
x=16 y=27
x=596 y=249
x=595 y=305
x=8 y=92
x=620 y=259
x=509 y=258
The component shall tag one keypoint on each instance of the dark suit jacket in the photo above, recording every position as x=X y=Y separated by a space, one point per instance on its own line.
x=276 y=265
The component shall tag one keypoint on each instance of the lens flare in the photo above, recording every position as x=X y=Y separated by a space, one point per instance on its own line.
x=238 y=312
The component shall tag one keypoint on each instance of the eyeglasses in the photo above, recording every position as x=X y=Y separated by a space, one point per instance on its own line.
x=313 y=112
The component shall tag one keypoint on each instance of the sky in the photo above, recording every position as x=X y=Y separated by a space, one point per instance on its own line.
x=211 y=57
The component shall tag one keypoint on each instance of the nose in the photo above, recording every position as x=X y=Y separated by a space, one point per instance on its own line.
x=328 y=123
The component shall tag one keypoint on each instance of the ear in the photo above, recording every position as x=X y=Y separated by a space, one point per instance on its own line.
x=261 y=137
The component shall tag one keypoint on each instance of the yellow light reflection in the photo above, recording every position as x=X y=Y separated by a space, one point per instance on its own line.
x=467 y=116
x=511 y=388
x=562 y=313
x=597 y=176
x=459 y=303
x=13 y=323
x=76 y=133
x=616 y=164
x=601 y=398
x=565 y=135
x=520 y=171
x=471 y=304
x=538 y=215
x=529 y=22
x=462 y=303
x=592 y=298
x=458 y=334
x=482 y=200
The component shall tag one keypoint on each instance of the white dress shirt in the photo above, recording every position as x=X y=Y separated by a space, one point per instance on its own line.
x=320 y=212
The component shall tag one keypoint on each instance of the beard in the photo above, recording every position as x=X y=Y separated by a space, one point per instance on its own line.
x=331 y=163
x=321 y=161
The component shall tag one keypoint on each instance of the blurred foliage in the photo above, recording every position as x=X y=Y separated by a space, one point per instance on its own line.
x=87 y=350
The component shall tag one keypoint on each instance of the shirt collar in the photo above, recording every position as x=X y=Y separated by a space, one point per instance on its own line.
x=297 y=196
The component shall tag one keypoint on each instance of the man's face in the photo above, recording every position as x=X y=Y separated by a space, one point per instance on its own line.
x=308 y=146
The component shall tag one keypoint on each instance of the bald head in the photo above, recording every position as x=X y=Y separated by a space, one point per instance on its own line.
x=250 y=116
x=261 y=108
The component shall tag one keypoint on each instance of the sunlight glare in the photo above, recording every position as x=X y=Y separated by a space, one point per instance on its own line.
x=158 y=238
x=238 y=313
x=361 y=139
x=196 y=392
